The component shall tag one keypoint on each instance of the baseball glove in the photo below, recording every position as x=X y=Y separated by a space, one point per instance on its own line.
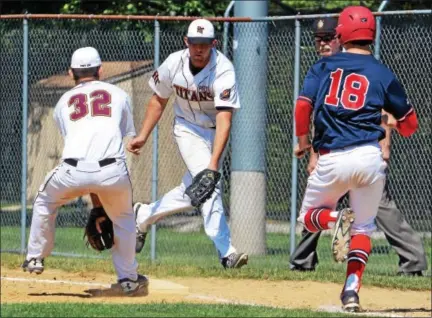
x=203 y=186
x=99 y=241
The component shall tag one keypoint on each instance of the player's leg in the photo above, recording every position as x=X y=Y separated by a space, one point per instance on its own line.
x=364 y=201
x=195 y=146
x=57 y=189
x=174 y=201
x=115 y=195
x=401 y=236
x=190 y=144
x=305 y=257
x=325 y=186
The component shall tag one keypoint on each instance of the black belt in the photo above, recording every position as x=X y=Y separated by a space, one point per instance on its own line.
x=102 y=163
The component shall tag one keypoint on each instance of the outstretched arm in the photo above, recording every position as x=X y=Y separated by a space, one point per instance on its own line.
x=154 y=112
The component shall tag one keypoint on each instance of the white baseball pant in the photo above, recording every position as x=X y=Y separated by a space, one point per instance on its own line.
x=112 y=185
x=195 y=144
x=359 y=170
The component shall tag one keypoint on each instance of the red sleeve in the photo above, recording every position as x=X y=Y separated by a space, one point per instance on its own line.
x=408 y=125
x=303 y=111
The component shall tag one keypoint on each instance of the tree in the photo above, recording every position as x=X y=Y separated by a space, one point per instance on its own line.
x=149 y=7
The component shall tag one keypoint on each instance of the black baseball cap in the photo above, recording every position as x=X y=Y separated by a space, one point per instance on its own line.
x=326 y=26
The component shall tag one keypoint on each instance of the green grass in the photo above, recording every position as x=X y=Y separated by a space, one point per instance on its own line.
x=154 y=310
x=193 y=255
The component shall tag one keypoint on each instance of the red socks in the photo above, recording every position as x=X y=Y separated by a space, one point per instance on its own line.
x=358 y=255
x=318 y=219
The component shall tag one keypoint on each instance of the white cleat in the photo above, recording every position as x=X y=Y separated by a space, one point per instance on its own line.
x=342 y=236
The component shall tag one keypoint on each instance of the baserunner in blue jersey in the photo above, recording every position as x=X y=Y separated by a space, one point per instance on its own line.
x=346 y=93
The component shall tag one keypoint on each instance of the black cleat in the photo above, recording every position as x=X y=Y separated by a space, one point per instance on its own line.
x=33 y=265
x=235 y=260
x=350 y=301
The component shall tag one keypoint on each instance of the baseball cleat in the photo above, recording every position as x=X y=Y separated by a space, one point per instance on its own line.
x=235 y=260
x=350 y=301
x=342 y=236
x=34 y=265
x=140 y=236
x=137 y=287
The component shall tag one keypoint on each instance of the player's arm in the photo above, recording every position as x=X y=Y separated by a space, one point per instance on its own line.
x=397 y=104
x=387 y=123
x=127 y=125
x=303 y=111
x=160 y=83
x=223 y=128
x=58 y=118
x=226 y=101
x=152 y=116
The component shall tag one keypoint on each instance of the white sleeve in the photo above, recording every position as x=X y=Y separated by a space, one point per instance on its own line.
x=127 y=124
x=160 y=82
x=59 y=119
x=225 y=90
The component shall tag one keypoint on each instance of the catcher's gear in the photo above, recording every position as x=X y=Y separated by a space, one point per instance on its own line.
x=99 y=241
x=355 y=23
x=203 y=186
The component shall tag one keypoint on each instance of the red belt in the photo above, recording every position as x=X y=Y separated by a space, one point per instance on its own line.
x=323 y=152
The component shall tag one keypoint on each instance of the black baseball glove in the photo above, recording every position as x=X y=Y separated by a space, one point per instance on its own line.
x=203 y=186
x=99 y=241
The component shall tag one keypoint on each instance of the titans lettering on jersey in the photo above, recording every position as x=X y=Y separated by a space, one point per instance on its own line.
x=197 y=96
x=348 y=92
x=203 y=93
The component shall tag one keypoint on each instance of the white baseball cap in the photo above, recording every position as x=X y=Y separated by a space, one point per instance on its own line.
x=85 y=57
x=200 y=31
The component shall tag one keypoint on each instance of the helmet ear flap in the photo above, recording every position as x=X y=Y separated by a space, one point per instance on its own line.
x=339 y=31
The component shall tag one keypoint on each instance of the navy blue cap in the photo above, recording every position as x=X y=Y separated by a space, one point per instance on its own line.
x=325 y=26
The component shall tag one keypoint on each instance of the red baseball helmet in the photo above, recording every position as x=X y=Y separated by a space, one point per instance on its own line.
x=355 y=23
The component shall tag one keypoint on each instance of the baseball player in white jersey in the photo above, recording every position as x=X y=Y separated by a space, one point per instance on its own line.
x=204 y=84
x=93 y=117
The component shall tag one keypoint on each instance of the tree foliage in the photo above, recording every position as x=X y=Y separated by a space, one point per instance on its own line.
x=192 y=7
x=150 y=7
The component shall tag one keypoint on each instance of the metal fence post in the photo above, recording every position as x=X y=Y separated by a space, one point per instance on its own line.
x=294 y=140
x=378 y=30
x=155 y=146
x=24 y=138
x=225 y=28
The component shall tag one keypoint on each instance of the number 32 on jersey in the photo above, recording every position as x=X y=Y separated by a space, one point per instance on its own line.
x=353 y=93
x=99 y=105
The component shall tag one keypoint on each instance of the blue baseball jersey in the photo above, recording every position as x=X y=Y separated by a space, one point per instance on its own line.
x=348 y=92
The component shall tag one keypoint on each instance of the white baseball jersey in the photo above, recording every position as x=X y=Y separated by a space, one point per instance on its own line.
x=93 y=118
x=197 y=96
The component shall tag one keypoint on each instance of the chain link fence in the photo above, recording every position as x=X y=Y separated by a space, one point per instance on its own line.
x=128 y=51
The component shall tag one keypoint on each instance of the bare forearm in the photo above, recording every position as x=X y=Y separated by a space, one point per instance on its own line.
x=153 y=113
x=223 y=128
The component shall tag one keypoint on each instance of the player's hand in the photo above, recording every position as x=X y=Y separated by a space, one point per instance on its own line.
x=300 y=150
x=134 y=146
x=313 y=160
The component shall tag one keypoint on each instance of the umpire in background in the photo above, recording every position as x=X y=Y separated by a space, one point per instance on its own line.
x=406 y=242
